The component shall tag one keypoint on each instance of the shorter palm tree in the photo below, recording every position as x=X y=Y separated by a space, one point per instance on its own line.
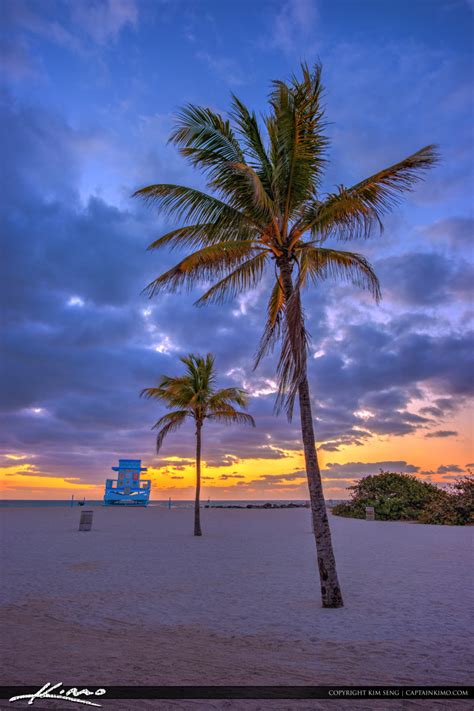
x=194 y=395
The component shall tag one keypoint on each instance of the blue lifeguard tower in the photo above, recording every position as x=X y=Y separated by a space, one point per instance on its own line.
x=128 y=489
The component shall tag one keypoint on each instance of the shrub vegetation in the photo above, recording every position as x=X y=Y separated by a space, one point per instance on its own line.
x=403 y=497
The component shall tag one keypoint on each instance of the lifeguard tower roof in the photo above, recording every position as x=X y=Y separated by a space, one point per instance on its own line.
x=134 y=464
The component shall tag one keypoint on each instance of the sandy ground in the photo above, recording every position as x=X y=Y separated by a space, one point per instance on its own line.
x=138 y=600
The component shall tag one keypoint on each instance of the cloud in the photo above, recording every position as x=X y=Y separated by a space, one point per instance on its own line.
x=295 y=25
x=104 y=20
x=228 y=460
x=75 y=25
x=172 y=464
x=294 y=481
x=362 y=469
x=442 y=433
x=456 y=231
x=17 y=62
x=81 y=341
x=41 y=22
x=441 y=407
x=449 y=469
x=228 y=70
x=282 y=478
x=425 y=278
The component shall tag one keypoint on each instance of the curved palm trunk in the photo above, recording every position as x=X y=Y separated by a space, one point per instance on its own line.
x=197 y=509
x=330 y=590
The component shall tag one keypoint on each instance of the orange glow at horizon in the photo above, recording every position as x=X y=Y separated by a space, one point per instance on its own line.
x=245 y=479
x=21 y=478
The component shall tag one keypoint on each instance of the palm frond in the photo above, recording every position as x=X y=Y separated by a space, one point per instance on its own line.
x=351 y=213
x=157 y=393
x=385 y=187
x=173 y=392
x=208 y=141
x=291 y=368
x=249 y=131
x=203 y=235
x=168 y=423
x=317 y=263
x=252 y=193
x=226 y=396
x=298 y=144
x=205 y=138
x=272 y=330
x=191 y=205
x=344 y=215
x=230 y=416
x=195 y=395
x=203 y=265
x=245 y=277
x=201 y=377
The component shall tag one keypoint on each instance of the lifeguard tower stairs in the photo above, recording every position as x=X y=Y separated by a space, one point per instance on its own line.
x=128 y=489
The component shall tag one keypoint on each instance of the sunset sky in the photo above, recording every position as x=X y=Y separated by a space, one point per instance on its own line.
x=89 y=94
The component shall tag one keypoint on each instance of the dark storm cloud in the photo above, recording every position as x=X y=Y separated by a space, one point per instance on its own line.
x=449 y=469
x=275 y=481
x=356 y=438
x=79 y=347
x=433 y=411
x=361 y=469
x=175 y=466
x=388 y=400
x=378 y=358
x=226 y=461
x=425 y=278
x=441 y=407
x=282 y=478
x=458 y=231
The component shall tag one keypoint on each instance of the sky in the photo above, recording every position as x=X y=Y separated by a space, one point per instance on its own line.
x=89 y=94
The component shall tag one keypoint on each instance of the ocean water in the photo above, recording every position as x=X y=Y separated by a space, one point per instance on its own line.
x=24 y=503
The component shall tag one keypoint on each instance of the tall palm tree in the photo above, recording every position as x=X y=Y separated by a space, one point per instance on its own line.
x=265 y=206
x=194 y=395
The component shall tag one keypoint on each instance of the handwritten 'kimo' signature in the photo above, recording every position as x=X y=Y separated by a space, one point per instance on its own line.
x=73 y=694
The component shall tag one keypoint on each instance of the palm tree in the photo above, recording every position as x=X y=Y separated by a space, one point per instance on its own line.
x=194 y=395
x=265 y=206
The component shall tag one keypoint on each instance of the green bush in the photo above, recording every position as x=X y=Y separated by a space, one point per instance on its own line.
x=403 y=497
x=456 y=509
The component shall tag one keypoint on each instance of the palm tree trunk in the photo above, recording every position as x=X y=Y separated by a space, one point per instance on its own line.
x=197 y=508
x=330 y=590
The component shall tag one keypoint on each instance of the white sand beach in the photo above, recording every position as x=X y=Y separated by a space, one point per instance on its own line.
x=139 y=600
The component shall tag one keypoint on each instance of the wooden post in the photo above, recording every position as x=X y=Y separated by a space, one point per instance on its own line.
x=369 y=513
x=85 y=523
